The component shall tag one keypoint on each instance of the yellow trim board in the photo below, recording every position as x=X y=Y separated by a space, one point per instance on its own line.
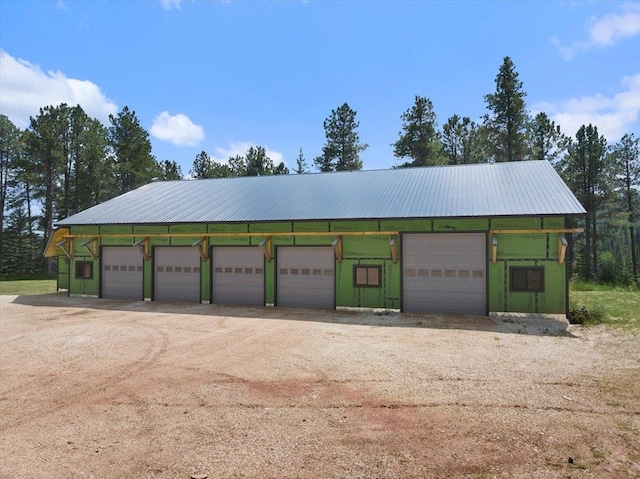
x=51 y=251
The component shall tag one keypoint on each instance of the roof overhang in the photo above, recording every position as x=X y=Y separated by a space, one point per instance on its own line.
x=58 y=235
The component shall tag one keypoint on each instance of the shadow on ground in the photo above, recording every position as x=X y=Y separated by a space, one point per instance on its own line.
x=508 y=323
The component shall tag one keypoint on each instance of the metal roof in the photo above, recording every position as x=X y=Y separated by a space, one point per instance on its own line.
x=503 y=189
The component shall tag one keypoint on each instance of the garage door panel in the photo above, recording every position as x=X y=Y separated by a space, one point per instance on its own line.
x=176 y=273
x=306 y=277
x=238 y=275
x=122 y=273
x=444 y=273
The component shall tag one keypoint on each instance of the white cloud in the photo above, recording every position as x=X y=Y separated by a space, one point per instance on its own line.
x=25 y=88
x=222 y=154
x=613 y=115
x=171 y=4
x=604 y=32
x=177 y=129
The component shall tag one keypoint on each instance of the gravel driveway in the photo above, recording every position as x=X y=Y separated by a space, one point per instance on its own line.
x=113 y=389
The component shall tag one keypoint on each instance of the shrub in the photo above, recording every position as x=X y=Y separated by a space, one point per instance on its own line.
x=597 y=314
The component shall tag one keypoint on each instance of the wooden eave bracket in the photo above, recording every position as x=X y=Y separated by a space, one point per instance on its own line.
x=562 y=248
x=494 y=249
x=68 y=252
x=93 y=249
x=143 y=244
x=202 y=246
x=265 y=246
x=337 y=248
x=393 y=246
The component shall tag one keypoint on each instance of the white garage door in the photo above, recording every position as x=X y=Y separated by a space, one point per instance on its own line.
x=306 y=277
x=122 y=273
x=176 y=274
x=238 y=275
x=444 y=273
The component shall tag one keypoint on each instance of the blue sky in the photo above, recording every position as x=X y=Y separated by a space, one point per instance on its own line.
x=220 y=76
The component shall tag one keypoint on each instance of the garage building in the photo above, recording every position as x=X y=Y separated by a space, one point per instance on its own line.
x=455 y=239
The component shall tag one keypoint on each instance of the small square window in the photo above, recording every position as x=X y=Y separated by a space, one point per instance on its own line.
x=527 y=279
x=84 y=270
x=367 y=276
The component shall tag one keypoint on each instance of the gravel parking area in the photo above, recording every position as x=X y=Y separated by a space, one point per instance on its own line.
x=112 y=389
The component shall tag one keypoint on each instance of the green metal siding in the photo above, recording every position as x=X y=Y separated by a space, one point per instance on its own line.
x=84 y=286
x=539 y=250
x=452 y=225
x=406 y=225
x=63 y=272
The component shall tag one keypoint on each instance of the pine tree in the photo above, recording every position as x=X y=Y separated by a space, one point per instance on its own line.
x=10 y=153
x=547 y=141
x=255 y=162
x=131 y=149
x=342 y=149
x=171 y=170
x=587 y=171
x=461 y=141
x=626 y=158
x=205 y=167
x=507 y=119
x=301 y=164
x=419 y=139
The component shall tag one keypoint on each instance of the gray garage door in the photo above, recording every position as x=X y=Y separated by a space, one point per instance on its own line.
x=238 y=275
x=305 y=277
x=176 y=275
x=444 y=273
x=122 y=273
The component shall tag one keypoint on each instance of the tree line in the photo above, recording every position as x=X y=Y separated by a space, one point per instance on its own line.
x=65 y=162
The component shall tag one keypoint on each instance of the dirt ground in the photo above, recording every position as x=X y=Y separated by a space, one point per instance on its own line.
x=113 y=389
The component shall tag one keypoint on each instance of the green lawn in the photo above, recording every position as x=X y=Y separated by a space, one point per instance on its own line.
x=619 y=308
x=31 y=286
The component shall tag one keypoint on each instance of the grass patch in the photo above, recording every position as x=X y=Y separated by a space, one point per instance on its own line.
x=613 y=307
x=32 y=286
x=578 y=285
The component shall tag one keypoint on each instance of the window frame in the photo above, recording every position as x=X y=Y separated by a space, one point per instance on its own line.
x=367 y=267
x=527 y=288
x=79 y=270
